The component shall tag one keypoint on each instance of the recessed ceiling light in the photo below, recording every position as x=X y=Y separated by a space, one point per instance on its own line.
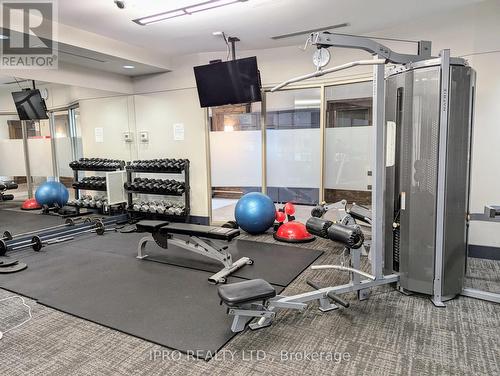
x=185 y=11
x=3 y=36
x=128 y=67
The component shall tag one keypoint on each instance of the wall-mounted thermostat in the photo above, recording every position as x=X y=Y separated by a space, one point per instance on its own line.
x=128 y=137
x=144 y=136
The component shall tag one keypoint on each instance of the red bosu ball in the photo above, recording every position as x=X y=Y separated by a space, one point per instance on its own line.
x=293 y=232
x=31 y=204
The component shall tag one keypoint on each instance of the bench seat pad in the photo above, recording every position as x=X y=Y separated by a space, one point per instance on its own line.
x=239 y=293
x=208 y=232
x=150 y=226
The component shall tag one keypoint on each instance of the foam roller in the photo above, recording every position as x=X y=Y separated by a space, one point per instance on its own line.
x=351 y=236
x=318 y=226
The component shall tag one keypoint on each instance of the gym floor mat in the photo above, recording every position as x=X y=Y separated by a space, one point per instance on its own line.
x=98 y=279
x=276 y=263
x=19 y=222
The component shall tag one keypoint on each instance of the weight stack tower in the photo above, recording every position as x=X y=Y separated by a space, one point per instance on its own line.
x=429 y=115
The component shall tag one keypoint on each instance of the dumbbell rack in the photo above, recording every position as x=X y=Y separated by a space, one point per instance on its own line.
x=131 y=171
x=76 y=178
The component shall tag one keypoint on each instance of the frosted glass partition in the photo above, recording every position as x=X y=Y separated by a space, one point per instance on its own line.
x=293 y=145
x=63 y=143
x=235 y=156
x=12 y=158
x=40 y=153
x=64 y=156
x=348 y=158
x=348 y=142
x=236 y=159
x=293 y=158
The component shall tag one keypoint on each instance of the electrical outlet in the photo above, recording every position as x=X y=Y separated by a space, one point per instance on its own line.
x=144 y=136
x=128 y=137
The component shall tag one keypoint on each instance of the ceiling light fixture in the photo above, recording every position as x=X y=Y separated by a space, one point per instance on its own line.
x=128 y=67
x=3 y=36
x=185 y=11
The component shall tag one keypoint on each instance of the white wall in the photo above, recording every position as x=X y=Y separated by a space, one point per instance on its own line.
x=156 y=114
x=73 y=75
x=114 y=115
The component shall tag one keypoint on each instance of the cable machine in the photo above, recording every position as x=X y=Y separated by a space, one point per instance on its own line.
x=422 y=123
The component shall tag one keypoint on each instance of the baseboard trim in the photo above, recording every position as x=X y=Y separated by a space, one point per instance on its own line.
x=484 y=252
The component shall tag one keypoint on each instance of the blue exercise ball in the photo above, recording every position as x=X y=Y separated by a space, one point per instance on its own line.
x=255 y=212
x=51 y=193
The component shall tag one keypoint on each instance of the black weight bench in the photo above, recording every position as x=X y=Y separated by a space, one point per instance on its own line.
x=201 y=241
x=5 y=186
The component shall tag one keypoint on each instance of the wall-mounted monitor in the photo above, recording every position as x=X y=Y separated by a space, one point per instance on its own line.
x=230 y=82
x=30 y=105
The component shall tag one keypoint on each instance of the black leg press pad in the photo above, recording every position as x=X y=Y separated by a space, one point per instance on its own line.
x=99 y=279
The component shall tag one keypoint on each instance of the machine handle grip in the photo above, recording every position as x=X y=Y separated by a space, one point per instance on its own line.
x=331 y=295
x=338 y=299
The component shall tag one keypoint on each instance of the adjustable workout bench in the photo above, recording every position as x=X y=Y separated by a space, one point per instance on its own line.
x=201 y=241
x=4 y=186
x=256 y=299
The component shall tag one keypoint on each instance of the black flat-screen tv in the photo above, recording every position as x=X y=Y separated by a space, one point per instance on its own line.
x=230 y=82
x=30 y=105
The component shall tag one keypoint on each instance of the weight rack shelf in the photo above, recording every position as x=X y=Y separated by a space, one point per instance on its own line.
x=101 y=170
x=150 y=192
x=166 y=171
x=76 y=170
x=131 y=171
x=105 y=189
x=171 y=217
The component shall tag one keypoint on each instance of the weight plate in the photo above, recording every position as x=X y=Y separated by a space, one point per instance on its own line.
x=36 y=243
x=99 y=228
x=7 y=262
x=3 y=247
x=14 y=268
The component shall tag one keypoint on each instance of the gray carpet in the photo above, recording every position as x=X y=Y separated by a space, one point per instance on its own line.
x=389 y=334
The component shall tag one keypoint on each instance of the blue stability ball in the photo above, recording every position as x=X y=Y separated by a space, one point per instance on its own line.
x=255 y=212
x=51 y=193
